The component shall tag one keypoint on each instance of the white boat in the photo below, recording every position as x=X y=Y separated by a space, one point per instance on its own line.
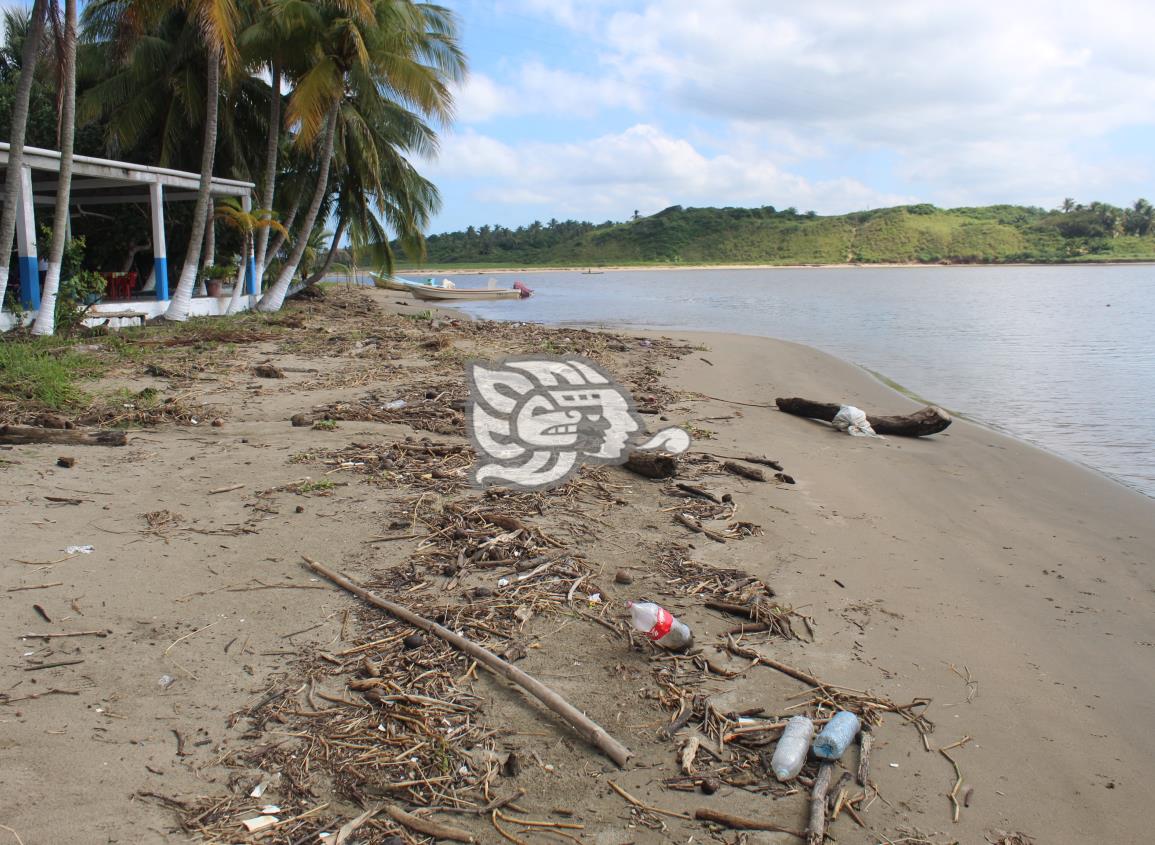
x=398 y=283
x=450 y=294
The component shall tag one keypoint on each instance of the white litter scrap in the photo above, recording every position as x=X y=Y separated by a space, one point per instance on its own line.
x=853 y=421
x=80 y=550
x=259 y=823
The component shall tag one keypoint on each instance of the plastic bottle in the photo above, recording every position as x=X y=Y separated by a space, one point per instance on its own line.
x=836 y=737
x=659 y=625
x=792 y=747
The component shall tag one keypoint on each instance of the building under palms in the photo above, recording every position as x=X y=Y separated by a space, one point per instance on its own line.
x=98 y=184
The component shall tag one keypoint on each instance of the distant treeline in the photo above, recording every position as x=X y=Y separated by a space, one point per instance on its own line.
x=904 y=234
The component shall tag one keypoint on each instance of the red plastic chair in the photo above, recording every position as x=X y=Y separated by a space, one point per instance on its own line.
x=120 y=285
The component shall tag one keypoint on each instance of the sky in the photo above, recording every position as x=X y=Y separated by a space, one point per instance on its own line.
x=595 y=109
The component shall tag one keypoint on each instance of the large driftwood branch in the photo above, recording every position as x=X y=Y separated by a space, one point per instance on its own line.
x=817 y=829
x=18 y=434
x=930 y=420
x=574 y=717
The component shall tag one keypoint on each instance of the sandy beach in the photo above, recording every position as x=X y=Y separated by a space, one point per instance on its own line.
x=1009 y=587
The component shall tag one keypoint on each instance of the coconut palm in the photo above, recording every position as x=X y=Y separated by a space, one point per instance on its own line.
x=404 y=51
x=46 y=317
x=375 y=184
x=215 y=24
x=1140 y=217
x=379 y=189
x=217 y=20
x=274 y=40
x=233 y=213
x=31 y=50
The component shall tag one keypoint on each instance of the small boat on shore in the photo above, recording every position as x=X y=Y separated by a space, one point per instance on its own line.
x=442 y=294
x=397 y=283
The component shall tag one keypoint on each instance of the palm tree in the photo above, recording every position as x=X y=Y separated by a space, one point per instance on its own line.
x=233 y=213
x=31 y=50
x=404 y=51
x=213 y=25
x=1142 y=215
x=274 y=40
x=217 y=20
x=46 y=318
x=376 y=184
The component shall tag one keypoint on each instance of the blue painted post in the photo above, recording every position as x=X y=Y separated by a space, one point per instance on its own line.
x=251 y=269
x=26 y=244
x=251 y=277
x=159 y=251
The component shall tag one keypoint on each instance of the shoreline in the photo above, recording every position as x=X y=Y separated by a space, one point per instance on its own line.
x=918 y=562
x=880 y=377
x=581 y=269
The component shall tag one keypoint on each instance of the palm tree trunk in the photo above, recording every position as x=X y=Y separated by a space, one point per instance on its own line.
x=272 y=144
x=239 y=284
x=282 y=236
x=275 y=297
x=46 y=318
x=209 y=253
x=337 y=235
x=16 y=140
x=178 y=309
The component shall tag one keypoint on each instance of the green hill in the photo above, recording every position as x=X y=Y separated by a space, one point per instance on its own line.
x=905 y=234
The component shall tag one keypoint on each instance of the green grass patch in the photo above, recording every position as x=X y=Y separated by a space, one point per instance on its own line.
x=45 y=373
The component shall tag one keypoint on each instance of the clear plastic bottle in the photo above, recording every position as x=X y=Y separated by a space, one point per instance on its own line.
x=836 y=737
x=659 y=625
x=792 y=747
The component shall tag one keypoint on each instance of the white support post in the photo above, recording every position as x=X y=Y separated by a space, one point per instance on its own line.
x=159 y=251
x=26 y=244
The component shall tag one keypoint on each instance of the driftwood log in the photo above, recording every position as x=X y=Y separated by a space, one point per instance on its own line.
x=652 y=464
x=18 y=434
x=579 y=721
x=930 y=420
x=746 y=472
x=817 y=830
x=865 y=744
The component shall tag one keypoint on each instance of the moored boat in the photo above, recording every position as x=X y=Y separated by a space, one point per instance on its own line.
x=398 y=283
x=445 y=294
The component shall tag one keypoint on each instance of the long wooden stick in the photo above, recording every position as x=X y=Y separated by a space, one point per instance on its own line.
x=773 y=664
x=705 y=814
x=579 y=721
x=429 y=828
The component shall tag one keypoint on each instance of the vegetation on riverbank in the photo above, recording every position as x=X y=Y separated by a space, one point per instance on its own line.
x=905 y=234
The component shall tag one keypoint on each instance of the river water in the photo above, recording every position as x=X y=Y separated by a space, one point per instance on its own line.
x=1063 y=357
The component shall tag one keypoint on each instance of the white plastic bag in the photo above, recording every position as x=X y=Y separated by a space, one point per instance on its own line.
x=853 y=421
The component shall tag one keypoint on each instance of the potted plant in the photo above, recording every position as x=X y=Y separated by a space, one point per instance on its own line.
x=215 y=275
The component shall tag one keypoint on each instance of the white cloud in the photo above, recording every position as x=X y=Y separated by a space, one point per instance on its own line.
x=480 y=99
x=642 y=168
x=537 y=89
x=972 y=98
x=893 y=101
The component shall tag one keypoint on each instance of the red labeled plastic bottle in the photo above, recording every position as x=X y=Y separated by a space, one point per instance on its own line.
x=657 y=623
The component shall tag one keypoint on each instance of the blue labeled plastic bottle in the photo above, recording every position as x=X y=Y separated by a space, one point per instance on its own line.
x=833 y=740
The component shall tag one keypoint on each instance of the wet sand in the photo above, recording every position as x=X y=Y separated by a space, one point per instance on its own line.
x=974 y=551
